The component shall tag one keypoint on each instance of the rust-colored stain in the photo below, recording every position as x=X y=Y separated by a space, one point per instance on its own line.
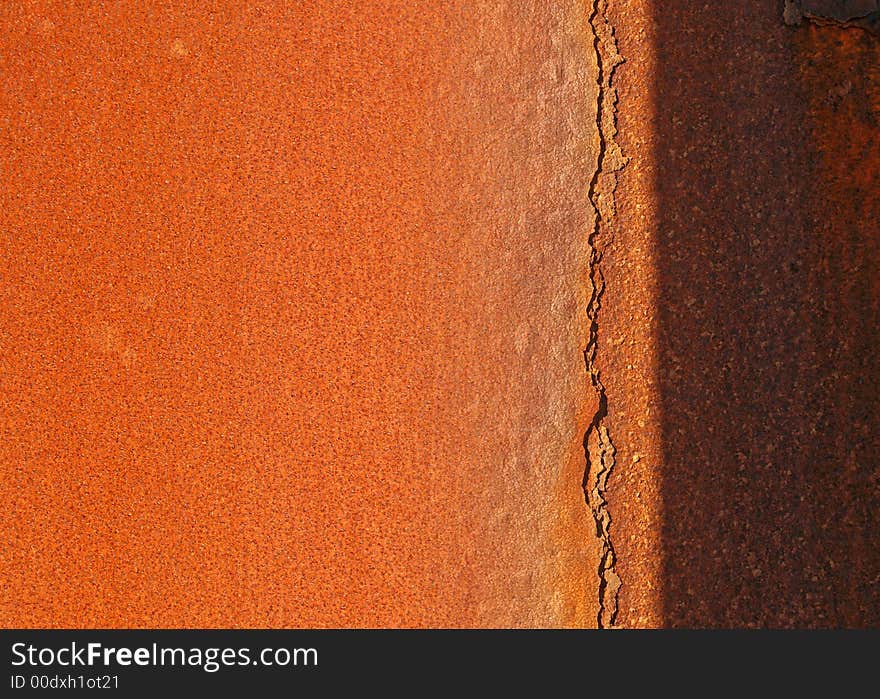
x=292 y=313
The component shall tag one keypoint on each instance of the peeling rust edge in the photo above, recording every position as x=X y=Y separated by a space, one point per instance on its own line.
x=598 y=447
x=794 y=13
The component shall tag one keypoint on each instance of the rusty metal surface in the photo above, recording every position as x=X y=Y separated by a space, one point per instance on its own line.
x=296 y=301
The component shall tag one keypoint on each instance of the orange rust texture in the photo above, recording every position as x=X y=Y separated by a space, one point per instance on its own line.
x=291 y=313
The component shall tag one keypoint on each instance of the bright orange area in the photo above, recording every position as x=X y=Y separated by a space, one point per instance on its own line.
x=291 y=313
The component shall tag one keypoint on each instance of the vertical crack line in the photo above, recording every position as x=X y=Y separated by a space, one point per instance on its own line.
x=598 y=447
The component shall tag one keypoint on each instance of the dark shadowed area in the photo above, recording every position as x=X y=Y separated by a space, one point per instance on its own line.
x=767 y=254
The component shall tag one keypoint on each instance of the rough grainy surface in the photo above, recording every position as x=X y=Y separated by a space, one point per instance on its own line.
x=292 y=313
x=741 y=320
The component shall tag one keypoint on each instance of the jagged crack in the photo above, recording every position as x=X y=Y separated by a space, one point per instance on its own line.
x=598 y=447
